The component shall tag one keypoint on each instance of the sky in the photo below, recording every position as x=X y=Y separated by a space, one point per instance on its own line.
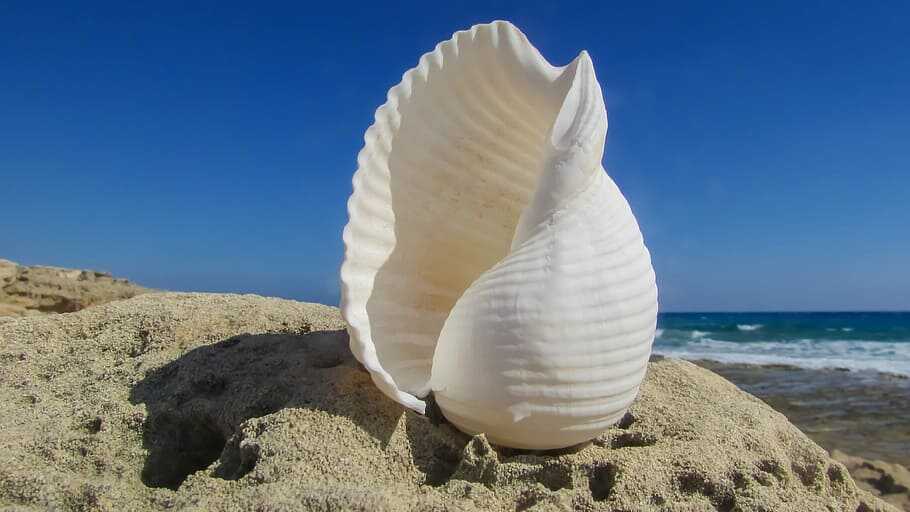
x=763 y=146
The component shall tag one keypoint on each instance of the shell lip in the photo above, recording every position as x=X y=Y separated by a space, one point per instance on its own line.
x=367 y=356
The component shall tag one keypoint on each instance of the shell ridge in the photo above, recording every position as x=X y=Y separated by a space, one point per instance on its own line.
x=490 y=96
x=465 y=122
x=507 y=105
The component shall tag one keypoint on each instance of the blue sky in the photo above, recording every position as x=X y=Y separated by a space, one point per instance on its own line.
x=763 y=146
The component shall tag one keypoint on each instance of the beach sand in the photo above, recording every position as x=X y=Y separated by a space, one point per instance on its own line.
x=228 y=402
x=862 y=413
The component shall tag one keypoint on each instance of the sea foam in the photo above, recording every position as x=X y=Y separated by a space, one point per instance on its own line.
x=889 y=357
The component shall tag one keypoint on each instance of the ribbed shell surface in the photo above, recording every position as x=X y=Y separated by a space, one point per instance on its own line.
x=488 y=256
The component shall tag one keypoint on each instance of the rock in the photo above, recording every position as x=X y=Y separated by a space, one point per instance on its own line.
x=26 y=291
x=889 y=481
x=227 y=402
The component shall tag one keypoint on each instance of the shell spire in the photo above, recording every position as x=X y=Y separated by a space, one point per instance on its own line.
x=488 y=257
x=576 y=145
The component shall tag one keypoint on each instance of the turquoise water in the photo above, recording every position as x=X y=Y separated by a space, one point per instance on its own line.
x=858 y=341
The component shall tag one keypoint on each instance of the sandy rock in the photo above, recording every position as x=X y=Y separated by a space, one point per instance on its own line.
x=27 y=291
x=889 y=481
x=8 y=271
x=226 y=402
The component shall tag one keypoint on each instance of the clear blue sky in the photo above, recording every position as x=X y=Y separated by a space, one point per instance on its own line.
x=764 y=146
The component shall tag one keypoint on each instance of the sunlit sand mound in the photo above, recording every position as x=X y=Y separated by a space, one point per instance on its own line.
x=226 y=402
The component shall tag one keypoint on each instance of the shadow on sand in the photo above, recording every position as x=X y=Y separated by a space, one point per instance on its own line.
x=197 y=403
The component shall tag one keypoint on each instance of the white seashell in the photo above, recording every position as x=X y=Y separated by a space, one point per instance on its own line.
x=488 y=257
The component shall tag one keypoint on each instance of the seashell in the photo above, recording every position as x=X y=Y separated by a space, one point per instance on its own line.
x=489 y=258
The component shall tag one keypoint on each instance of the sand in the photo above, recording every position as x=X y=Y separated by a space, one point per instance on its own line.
x=26 y=291
x=227 y=402
x=857 y=412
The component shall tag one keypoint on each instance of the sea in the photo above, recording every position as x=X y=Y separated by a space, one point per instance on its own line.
x=861 y=341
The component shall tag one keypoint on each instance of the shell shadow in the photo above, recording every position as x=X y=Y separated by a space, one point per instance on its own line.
x=196 y=403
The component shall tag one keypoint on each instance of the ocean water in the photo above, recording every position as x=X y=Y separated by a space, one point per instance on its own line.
x=856 y=341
